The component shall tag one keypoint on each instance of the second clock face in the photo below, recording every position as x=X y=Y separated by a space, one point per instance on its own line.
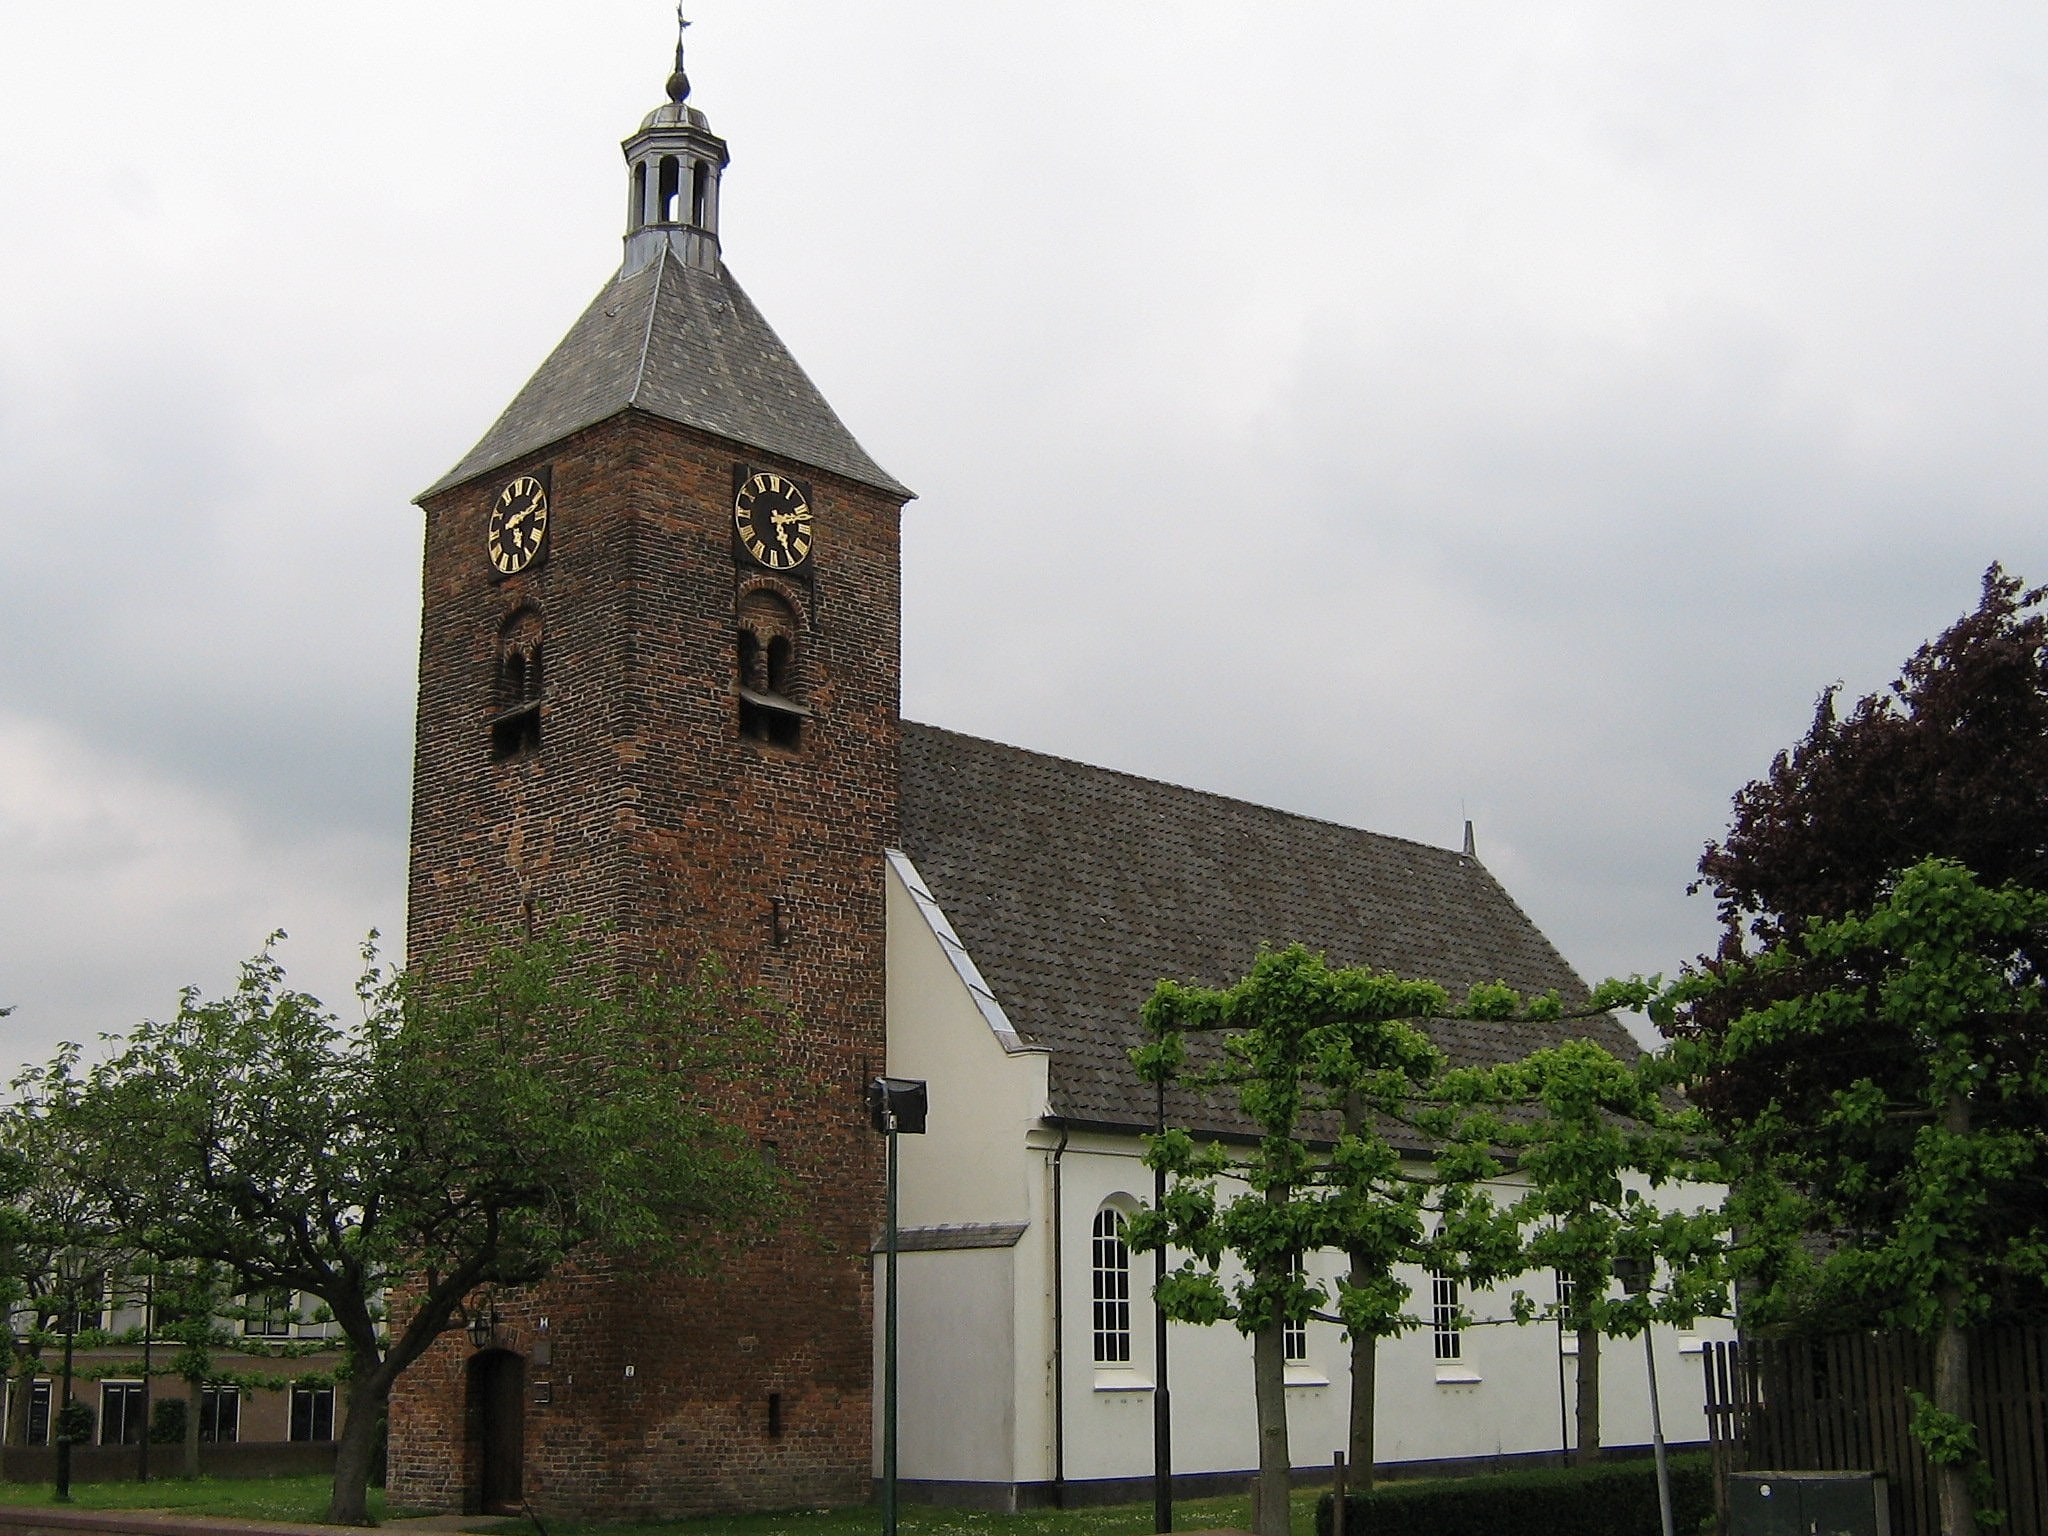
x=773 y=517
x=519 y=525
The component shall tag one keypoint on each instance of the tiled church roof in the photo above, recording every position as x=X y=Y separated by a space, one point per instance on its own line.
x=1075 y=889
x=690 y=347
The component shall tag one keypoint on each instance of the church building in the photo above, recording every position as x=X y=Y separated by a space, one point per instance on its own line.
x=659 y=687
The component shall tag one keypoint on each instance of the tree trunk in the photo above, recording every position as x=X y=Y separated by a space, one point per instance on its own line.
x=195 y=1395
x=1952 y=1395
x=1358 y=1454
x=1271 y=1512
x=1359 y=1441
x=21 y=1387
x=1952 y=1368
x=369 y=1392
x=1588 y=1400
x=20 y=1383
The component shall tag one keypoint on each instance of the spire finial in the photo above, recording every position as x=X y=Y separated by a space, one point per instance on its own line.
x=679 y=82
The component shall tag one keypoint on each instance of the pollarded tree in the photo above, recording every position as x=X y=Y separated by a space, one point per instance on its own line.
x=1329 y=1067
x=1589 y=1135
x=477 y=1128
x=1289 y=1028
x=1921 y=1180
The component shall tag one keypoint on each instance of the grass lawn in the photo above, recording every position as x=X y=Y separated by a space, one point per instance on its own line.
x=1107 y=1520
x=303 y=1499
x=296 y=1499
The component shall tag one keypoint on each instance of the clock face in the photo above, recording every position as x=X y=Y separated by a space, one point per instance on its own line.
x=519 y=525
x=773 y=516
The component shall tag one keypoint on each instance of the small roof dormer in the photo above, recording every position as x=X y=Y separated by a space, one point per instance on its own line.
x=674 y=163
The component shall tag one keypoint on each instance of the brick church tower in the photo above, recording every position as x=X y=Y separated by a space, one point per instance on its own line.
x=658 y=689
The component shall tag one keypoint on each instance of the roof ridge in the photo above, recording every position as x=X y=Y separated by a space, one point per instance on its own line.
x=1456 y=854
x=647 y=330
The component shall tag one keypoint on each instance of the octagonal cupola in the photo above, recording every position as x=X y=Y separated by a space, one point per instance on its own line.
x=674 y=163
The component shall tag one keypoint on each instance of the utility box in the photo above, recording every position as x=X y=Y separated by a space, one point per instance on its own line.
x=1808 y=1504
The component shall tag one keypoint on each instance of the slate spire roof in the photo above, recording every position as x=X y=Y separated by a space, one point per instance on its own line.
x=673 y=334
x=1075 y=889
x=685 y=345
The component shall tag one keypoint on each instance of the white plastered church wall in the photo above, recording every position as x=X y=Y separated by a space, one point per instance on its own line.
x=970 y=1407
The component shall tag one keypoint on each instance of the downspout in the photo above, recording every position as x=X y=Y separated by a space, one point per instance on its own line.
x=1059 y=1331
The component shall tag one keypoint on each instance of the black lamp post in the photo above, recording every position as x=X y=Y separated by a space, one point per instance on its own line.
x=1634 y=1275
x=896 y=1106
x=148 y=1334
x=1162 y=1403
x=66 y=1420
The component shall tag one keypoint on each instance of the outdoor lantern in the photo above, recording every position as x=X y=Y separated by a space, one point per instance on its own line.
x=897 y=1104
x=483 y=1326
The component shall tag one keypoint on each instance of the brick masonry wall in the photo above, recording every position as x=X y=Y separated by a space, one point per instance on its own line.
x=647 y=810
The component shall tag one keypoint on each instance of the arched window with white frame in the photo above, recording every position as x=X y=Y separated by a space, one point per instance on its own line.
x=1112 y=1289
x=1294 y=1331
x=1446 y=1317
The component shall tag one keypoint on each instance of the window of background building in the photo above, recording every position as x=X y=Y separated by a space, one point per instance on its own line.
x=312 y=1412
x=269 y=1317
x=39 y=1413
x=91 y=1312
x=220 y=1414
x=121 y=1413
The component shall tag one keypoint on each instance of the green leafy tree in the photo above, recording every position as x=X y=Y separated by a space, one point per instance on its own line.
x=61 y=1247
x=1911 y=1194
x=481 y=1125
x=1297 y=1039
x=1589 y=1136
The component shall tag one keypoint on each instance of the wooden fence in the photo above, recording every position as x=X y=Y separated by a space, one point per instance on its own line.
x=1840 y=1404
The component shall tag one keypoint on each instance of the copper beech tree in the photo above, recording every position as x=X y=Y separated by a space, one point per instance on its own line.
x=1950 y=760
x=483 y=1122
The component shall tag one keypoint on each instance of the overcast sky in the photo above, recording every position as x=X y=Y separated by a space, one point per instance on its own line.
x=1398 y=413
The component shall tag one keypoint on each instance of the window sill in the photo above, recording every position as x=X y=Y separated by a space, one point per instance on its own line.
x=774 y=702
x=1115 y=1379
x=1300 y=1375
x=1691 y=1344
x=1452 y=1374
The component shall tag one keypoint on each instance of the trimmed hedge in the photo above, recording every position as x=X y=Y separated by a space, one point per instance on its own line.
x=1614 y=1500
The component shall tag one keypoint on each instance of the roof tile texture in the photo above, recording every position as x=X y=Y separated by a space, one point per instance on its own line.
x=1077 y=889
x=685 y=345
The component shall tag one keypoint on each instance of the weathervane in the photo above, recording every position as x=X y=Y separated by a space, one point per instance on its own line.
x=679 y=82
